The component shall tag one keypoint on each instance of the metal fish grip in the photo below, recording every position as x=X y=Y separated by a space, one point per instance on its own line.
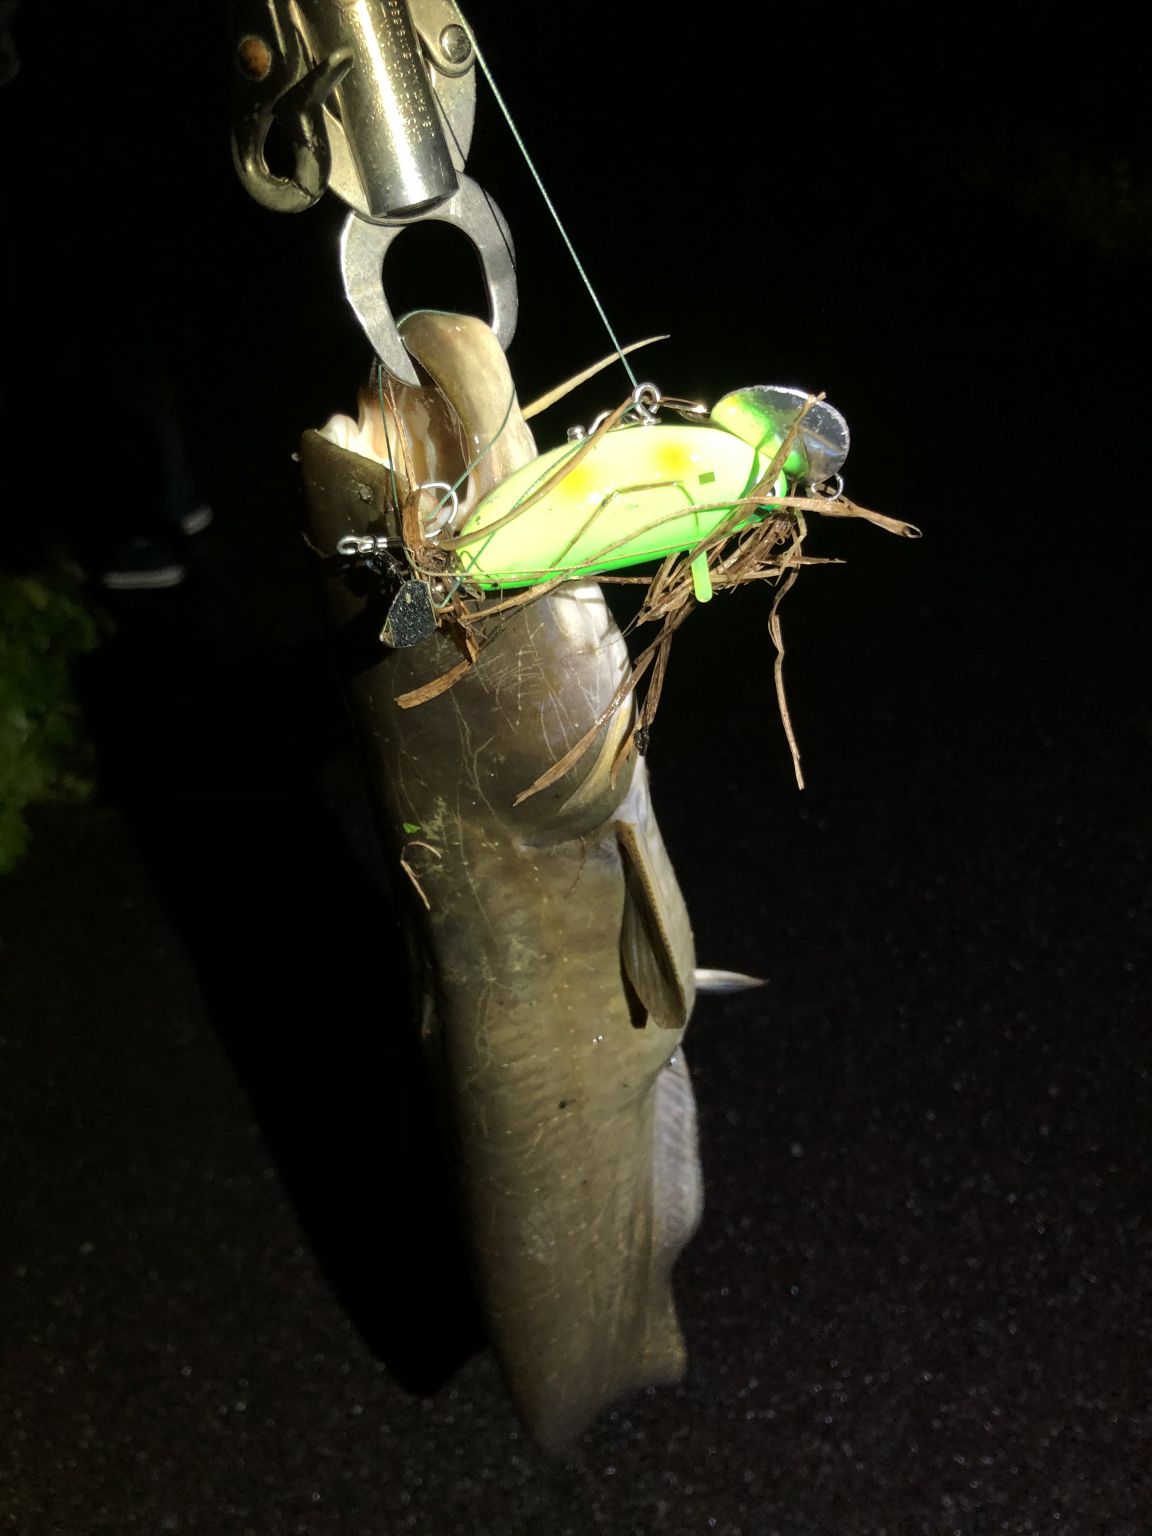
x=375 y=100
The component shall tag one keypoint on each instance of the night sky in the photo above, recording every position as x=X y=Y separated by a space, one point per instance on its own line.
x=231 y=1298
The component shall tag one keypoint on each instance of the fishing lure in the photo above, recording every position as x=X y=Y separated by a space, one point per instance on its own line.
x=644 y=490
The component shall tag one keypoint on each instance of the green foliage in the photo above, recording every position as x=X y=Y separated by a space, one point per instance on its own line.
x=43 y=628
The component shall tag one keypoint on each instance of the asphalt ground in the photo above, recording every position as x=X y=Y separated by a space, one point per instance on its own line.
x=231 y=1293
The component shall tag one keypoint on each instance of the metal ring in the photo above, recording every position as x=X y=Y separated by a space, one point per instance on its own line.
x=825 y=488
x=445 y=512
x=363 y=247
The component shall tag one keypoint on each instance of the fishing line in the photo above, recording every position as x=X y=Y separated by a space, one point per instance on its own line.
x=523 y=148
x=378 y=369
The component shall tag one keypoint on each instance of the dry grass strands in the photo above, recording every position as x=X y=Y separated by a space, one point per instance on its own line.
x=770 y=550
x=767 y=551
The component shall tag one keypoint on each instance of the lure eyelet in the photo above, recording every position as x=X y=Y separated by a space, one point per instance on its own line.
x=646 y=402
x=828 y=490
x=444 y=514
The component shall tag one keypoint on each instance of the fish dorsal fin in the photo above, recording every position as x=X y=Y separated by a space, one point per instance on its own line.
x=656 y=938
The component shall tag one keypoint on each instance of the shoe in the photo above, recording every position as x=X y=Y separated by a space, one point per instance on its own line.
x=196 y=521
x=142 y=564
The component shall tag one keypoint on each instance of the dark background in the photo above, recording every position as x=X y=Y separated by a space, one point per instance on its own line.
x=232 y=1300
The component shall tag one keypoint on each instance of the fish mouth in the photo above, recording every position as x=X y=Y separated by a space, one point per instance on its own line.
x=464 y=428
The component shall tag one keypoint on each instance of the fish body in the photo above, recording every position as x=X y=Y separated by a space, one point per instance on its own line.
x=551 y=948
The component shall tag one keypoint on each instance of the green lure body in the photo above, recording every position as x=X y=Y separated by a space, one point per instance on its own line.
x=641 y=493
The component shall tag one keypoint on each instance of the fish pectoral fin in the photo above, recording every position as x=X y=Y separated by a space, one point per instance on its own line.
x=655 y=938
